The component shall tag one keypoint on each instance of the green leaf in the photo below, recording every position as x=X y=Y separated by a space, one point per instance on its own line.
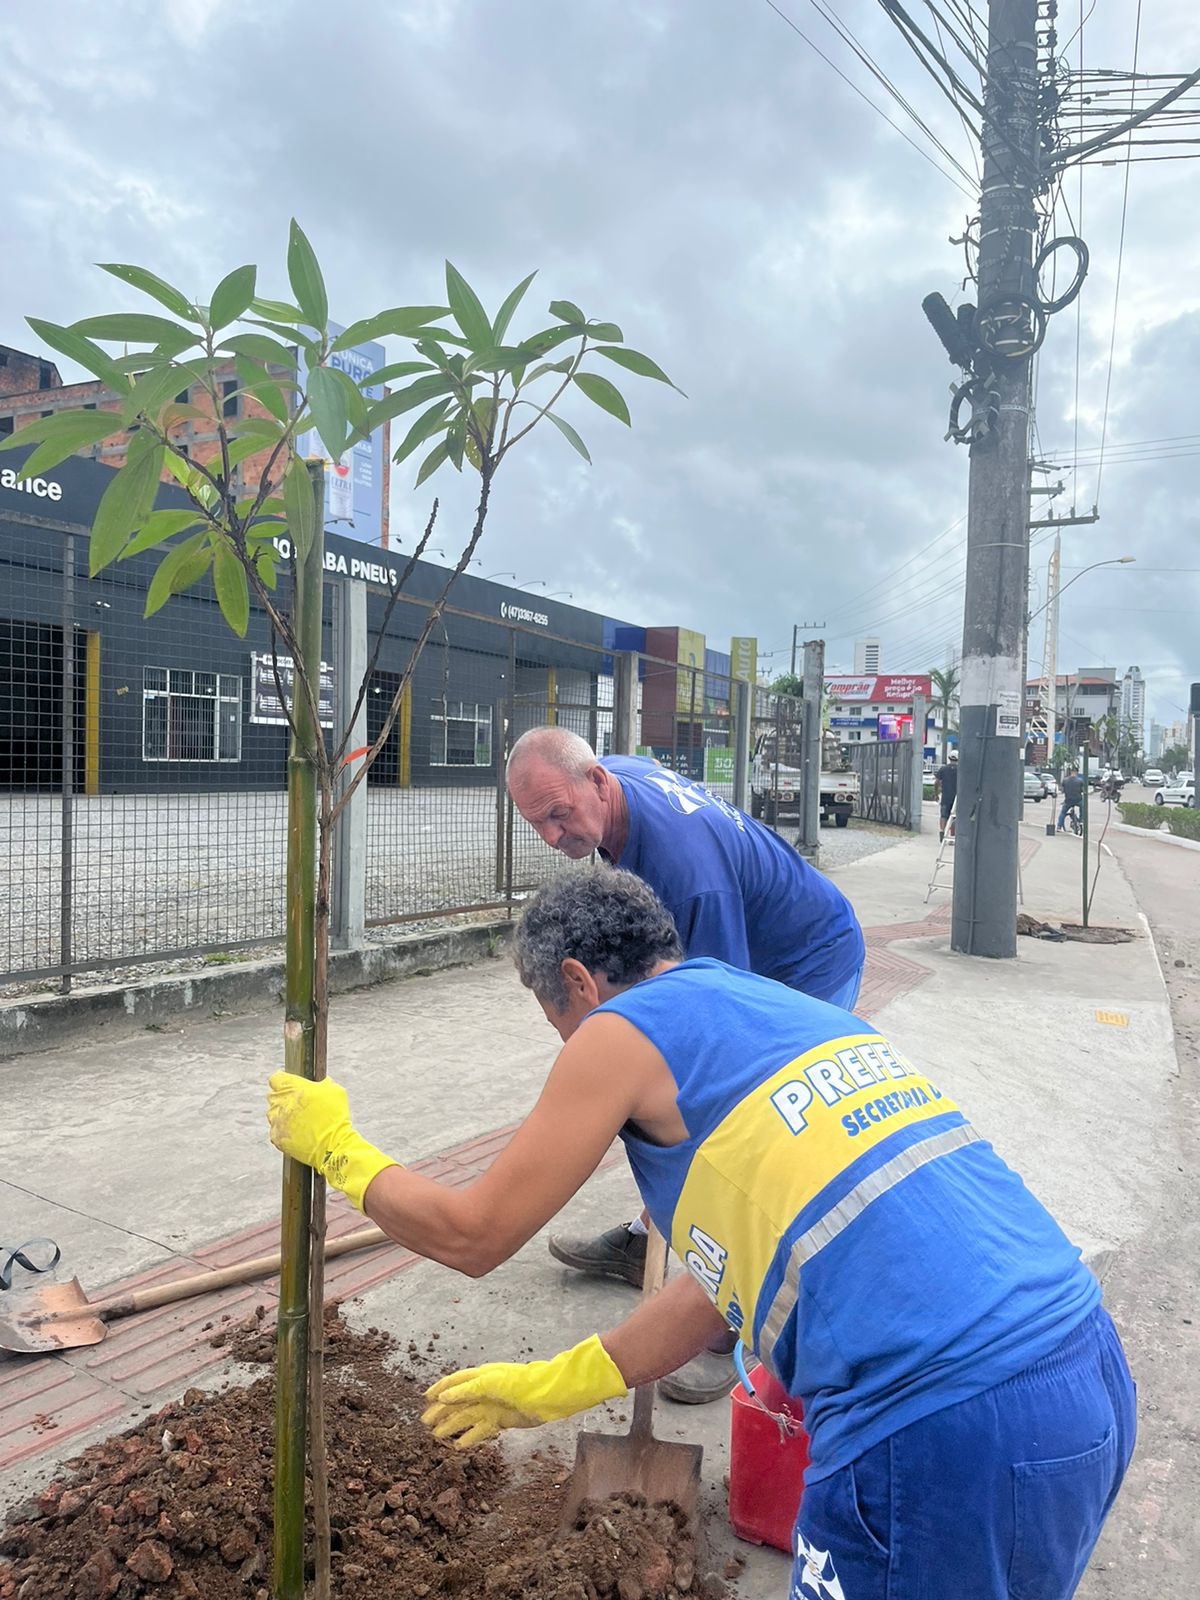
x=182 y=566
x=426 y=424
x=398 y=369
x=126 y=503
x=567 y=311
x=550 y=366
x=257 y=347
x=232 y=296
x=61 y=435
x=327 y=400
x=401 y=322
x=356 y=402
x=569 y=434
x=484 y=411
x=394 y=405
x=290 y=336
x=233 y=592
x=604 y=394
x=81 y=349
x=304 y=275
x=260 y=428
x=434 y=354
x=174 y=299
x=605 y=330
x=264 y=565
x=439 y=453
x=444 y=336
x=299 y=508
x=279 y=310
x=541 y=343
x=456 y=439
x=505 y=314
x=635 y=361
x=158 y=527
x=242 y=448
x=498 y=358
x=467 y=310
x=158 y=387
x=266 y=390
x=137 y=326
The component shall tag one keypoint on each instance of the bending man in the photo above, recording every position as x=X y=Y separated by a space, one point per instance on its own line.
x=969 y=1408
x=735 y=889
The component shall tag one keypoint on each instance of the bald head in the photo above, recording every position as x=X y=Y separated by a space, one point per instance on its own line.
x=552 y=747
x=562 y=791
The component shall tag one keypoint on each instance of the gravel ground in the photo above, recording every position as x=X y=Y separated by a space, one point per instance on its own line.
x=165 y=873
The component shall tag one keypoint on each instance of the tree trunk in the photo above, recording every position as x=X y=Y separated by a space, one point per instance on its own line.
x=292 y=1334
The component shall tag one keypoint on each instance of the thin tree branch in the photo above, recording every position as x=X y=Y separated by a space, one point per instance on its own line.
x=553 y=400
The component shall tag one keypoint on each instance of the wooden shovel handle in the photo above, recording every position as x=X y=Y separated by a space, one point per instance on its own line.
x=653 y=1278
x=166 y=1294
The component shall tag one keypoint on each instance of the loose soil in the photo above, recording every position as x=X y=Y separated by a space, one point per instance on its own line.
x=179 y=1508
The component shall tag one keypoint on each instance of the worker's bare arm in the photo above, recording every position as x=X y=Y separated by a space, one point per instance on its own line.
x=663 y=1333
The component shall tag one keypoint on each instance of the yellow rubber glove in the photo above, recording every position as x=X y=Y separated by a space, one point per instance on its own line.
x=476 y=1404
x=311 y=1123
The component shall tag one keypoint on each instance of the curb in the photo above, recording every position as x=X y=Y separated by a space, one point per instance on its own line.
x=1153 y=833
x=38 y=1024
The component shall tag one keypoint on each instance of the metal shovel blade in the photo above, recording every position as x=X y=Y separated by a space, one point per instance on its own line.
x=607 y=1464
x=55 y=1316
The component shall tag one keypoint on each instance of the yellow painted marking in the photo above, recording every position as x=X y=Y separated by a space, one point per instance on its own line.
x=1115 y=1019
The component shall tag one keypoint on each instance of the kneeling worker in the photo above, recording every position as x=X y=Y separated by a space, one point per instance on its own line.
x=969 y=1408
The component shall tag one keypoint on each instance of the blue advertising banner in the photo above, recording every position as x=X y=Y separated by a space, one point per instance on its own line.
x=358 y=514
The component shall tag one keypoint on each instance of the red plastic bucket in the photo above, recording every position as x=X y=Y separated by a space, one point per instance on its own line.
x=767 y=1458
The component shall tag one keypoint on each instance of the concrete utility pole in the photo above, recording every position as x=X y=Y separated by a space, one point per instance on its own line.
x=984 y=919
x=809 y=841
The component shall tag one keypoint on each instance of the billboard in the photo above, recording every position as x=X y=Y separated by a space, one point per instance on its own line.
x=689 y=685
x=355 y=487
x=743 y=659
x=877 y=690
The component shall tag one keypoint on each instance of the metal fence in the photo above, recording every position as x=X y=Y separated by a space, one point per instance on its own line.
x=143 y=761
x=885 y=781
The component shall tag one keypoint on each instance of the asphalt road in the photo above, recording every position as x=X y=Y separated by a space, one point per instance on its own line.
x=1150 y=1549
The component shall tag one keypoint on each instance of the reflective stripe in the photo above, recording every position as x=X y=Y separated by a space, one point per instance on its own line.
x=843 y=1214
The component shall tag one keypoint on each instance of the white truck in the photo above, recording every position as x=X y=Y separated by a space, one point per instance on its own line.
x=776 y=780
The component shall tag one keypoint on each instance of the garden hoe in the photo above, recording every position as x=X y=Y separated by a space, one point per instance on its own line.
x=637 y=1462
x=59 y=1316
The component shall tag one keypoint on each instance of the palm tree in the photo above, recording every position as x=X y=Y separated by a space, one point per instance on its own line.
x=945 y=698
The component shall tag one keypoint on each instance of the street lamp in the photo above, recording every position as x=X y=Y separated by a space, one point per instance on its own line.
x=532 y=583
x=1113 y=561
x=555 y=593
x=490 y=575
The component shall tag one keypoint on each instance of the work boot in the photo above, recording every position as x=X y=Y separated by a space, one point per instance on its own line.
x=618 y=1253
x=706 y=1377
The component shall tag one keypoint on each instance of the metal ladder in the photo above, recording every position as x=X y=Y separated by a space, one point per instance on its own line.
x=944 y=856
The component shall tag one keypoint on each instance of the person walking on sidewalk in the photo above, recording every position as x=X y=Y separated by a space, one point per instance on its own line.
x=736 y=891
x=1072 y=798
x=969 y=1409
x=945 y=787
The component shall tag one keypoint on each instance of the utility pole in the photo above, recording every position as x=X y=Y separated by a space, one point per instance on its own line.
x=796 y=630
x=984 y=920
x=809 y=840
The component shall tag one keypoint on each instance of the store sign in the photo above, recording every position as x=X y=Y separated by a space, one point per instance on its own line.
x=890 y=687
x=265 y=705
x=354 y=488
x=718 y=765
x=852 y=722
x=347 y=566
x=689 y=684
x=41 y=488
x=743 y=659
x=523 y=614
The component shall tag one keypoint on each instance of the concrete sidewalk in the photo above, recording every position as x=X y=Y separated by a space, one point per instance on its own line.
x=149 y=1155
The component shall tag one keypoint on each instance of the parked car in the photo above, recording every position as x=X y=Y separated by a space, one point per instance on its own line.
x=1035 y=789
x=1153 y=778
x=1050 y=782
x=1180 y=791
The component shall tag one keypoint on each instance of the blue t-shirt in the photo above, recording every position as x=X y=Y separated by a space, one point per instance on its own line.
x=841 y=1212
x=736 y=890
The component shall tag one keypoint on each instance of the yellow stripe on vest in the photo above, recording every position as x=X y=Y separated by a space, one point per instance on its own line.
x=776 y=1151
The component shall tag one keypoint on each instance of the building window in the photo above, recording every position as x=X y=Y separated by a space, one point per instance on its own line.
x=6 y=427
x=183 y=398
x=190 y=716
x=89 y=405
x=462 y=734
x=47 y=413
x=229 y=402
x=45 y=377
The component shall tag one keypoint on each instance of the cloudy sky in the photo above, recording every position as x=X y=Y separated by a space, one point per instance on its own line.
x=695 y=171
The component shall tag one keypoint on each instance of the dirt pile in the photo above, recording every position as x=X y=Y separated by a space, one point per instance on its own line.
x=180 y=1508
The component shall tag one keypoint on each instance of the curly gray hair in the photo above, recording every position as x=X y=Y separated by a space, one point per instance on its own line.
x=610 y=921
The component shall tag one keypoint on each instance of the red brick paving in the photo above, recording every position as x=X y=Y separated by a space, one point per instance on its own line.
x=45 y=1401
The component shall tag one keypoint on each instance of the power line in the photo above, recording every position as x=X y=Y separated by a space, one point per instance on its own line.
x=924 y=154
x=855 y=600
x=1112 y=344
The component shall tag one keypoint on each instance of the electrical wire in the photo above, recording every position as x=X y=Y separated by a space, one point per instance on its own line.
x=855 y=600
x=1112 y=343
x=924 y=154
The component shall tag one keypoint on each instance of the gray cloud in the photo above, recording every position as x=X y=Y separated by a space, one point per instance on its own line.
x=691 y=169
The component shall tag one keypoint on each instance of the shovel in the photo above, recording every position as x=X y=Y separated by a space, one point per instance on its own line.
x=637 y=1462
x=59 y=1316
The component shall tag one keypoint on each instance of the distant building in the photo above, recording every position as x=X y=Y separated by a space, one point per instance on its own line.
x=1133 y=707
x=1082 y=699
x=870 y=706
x=1155 y=748
x=868 y=660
